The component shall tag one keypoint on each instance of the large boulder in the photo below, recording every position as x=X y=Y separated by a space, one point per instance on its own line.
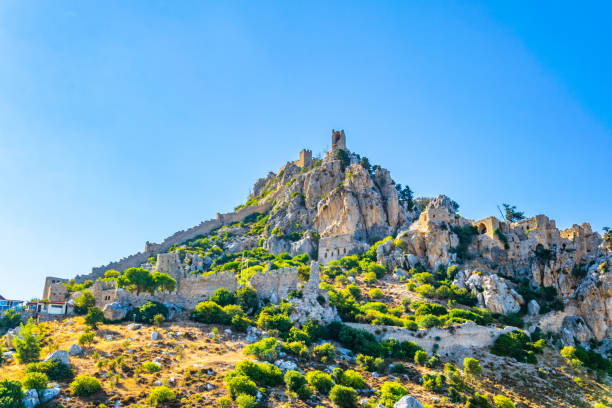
x=115 y=311
x=75 y=350
x=31 y=399
x=59 y=355
x=408 y=401
x=10 y=335
x=47 y=395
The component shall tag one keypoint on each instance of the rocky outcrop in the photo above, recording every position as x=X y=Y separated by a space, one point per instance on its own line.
x=493 y=291
x=314 y=303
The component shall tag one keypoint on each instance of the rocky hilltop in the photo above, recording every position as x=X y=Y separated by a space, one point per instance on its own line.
x=336 y=242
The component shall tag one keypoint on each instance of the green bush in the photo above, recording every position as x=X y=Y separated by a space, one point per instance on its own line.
x=241 y=323
x=376 y=293
x=324 y=353
x=503 y=402
x=426 y=290
x=84 y=302
x=94 y=317
x=86 y=338
x=161 y=395
x=147 y=312
x=209 y=312
x=271 y=319
x=352 y=378
x=370 y=278
x=246 y=298
x=390 y=393
x=264 y=374
x=27 y=347
x=370 y=363
x=296 y=348
x=296 y=382
x=516 y=345
x=85 y=385
x=241 y=384
x=478 y=401
x=433 y=382
x=158 y=319
x=420 y=357
x=55 y=370
x=426 y=308
x=11 y=394
x=222 y=297
x=35 y=381
x=321 y=381
x=150 y=367
x=471 y=367
x=246 y=401
x=264 y=349
x=343 y=397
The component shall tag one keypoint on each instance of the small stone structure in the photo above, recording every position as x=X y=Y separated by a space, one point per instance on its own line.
x=54 y=290
x=336 y=247
x=338 y=140
x=305 y=159
x=170 y=263
x=448 y=339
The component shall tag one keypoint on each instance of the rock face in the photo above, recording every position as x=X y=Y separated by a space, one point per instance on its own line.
x=408 y=402
x=493 y=291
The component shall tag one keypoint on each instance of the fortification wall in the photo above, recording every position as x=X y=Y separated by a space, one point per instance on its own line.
x=200 y=287
x=465 y=335
x=175 y=239
x=275 y=284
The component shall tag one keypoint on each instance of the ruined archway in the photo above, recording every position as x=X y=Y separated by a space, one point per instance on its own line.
x=482 y=228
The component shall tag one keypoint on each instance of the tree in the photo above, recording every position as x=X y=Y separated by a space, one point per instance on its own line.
x=10 y=319
x=94 y=317
x=111 y=274
x=512 y=214
x=27 y=348
x=164 y=282
x=405 y=195
x=607 y=237
x=471 y=367
x=11 y=394
x=84 y=302
x=137 y=280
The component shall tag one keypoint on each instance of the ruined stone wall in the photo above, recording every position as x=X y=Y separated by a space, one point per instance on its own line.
x=275 y=284
x=175 y=239
x=105 y=292
x=201 y=287
x=465 y=335
x=169 y=263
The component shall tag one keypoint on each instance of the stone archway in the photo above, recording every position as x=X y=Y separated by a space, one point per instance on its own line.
x=482 y=228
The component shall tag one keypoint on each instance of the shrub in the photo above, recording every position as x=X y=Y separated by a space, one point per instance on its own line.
x=147 y=312
x=55 y=370
x=426 y=308
x=241 y=323
x=478 y=401
x=150 y=367
x=420 y=357
x=94 y=317
x=376 y=293
x=85 y=385
x=223 y=297
x=296 y=382
x=390 y=393
x=246 y=298
x=11 y=394
x=426 y=290
x=321 y=381
x=27 y=348
x=86 y=338
x=246 y=401
x=352 y=378
x=265 y=375
x=370 y=363
x=241 y=384
x=35 y=381
x=209 y=312
x=433 y=382
x=264 y=349
x=159 y=319
x=296 y=348
x=324 y=353
x=161 y=395
x=568 y=352
x=353 y=290
x=471 y=367
x=280 y=322
x=84 y=302
x=516 y=345
x=503 y=402
x=343 y=397
x=370 y=277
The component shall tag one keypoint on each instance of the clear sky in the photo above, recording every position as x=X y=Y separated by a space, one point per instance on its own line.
x=125 y=121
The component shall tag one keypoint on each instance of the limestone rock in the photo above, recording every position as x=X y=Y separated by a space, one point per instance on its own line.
x=285 y=365
x=156 y=336
x=48 y=394
x=10 y=335
x=314 y=304
x=276 y=245
x=75 y=350
x=31 y=399
x=115 y=311
x=408 y=402
x=533 y=308
x=497 y=296
x=59 y=355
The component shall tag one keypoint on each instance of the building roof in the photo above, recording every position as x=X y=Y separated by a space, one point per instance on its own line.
x=2 y=298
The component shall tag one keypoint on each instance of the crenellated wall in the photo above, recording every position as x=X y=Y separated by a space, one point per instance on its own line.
x=275 y=284
x=179 y=237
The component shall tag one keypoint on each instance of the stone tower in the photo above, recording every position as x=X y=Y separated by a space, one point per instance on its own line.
x=338 y=140
x=305 y=159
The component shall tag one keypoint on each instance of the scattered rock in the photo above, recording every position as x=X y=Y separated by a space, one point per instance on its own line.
x=156 y=336
x=48 y=394
x=75 y=350
x=60 y=355
x=408 y=402
x=134 y=326
x=533 y=309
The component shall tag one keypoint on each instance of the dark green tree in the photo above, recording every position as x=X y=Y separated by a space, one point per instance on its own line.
x=84 y=302
x=27 y=348
x=405 y=195
x=137 y=280
x=512 y=214
x=164 y=282
x=94 y=317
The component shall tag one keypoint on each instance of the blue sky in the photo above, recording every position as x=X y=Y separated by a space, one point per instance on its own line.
x=122 y=122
